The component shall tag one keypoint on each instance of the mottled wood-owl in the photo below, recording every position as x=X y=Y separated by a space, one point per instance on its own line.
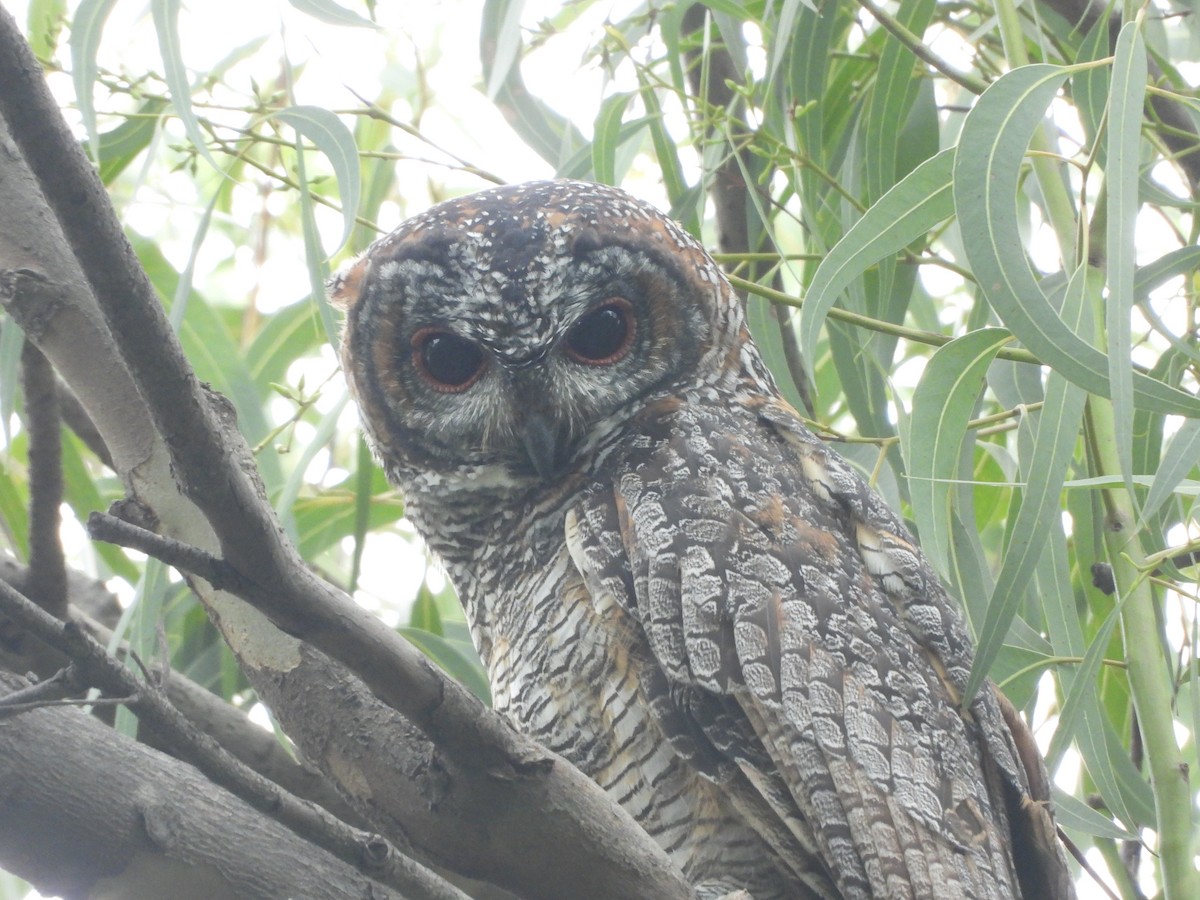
x=670 y=580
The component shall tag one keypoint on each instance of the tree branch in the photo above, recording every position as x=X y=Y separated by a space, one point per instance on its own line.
x=47 y=580
x=140 y=823
x=96 y=668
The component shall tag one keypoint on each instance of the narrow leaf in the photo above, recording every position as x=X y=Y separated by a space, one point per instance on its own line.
x=363 y=494
x=942 y=405
x=1167 y=266
x=314 y=256
x=1121 y=180
x=667 y=155
x=1054 y=446
x=782 y=43
x=551 y=136
x=1073 y=814
x=892 y=95
x=119 y=147
x=607 y=137
x=458 y=662
x=915 y=205
x=333 y=13
x=1179 y=458
x=87 y=27
x=986 y=166
x=336 y=141
x=285 y=336
x=507 y=42
x=12 y=340
x=166 y=24
x=44 y=25
x=324 y=433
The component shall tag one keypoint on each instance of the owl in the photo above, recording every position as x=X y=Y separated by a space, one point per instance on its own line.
x=670 y=580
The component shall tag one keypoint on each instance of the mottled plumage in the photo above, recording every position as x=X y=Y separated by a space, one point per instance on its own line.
x=670 y=580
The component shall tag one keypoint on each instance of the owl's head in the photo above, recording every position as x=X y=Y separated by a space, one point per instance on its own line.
x=504 y=333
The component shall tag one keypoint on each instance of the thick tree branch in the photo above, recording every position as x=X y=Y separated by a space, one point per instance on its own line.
x=76 y=418
x=140 y=824
x=94 y=609
x=96 y=668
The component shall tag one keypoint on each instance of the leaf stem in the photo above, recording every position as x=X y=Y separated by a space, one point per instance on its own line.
x=931 y=338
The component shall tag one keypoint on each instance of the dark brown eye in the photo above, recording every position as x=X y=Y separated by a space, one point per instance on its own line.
x=604 y=335
x=448 y=362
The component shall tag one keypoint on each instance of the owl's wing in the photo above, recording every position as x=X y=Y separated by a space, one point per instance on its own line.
x=800 y=632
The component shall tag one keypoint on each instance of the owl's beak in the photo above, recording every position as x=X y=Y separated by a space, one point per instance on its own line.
x=544 y=444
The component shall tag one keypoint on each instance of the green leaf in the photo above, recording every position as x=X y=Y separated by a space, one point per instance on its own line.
x=1080 y=717
x=667 y=155
x=326 y=429
x=365 y=471
x=551 y=136
x=1054 y=446
x=44 y=22
x=183 y=285
x=892 y=96
x=784 y=27
x=607 y=137
x=285 y=336
x=425 y=615
x=1073 y=814
x=87 y=27
x=315 y=261
x=1121 y=180
x=12 y=341
x=942 y=405
x=333 y=13
x=505 y=36
x=121 y=146
x=910 y=209
x=1090 y=86
x=323 y=520
x=1166 y=267
x=1179 y=457
x=81 y=491
x=166 y=23
x=986 y=166
x=14 y=510
x=336 y=141
x=457 y=661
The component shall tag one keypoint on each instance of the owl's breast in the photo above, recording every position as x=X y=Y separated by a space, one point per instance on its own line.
x=563 y=668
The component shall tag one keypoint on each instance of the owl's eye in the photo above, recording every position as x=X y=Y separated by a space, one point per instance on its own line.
x=448 y=362
x=604 y=335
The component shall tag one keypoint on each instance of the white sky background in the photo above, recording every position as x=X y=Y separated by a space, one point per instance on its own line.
x=335 y=63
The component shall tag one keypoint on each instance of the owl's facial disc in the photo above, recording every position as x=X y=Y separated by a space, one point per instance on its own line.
x=511 y=331
x=491 y=370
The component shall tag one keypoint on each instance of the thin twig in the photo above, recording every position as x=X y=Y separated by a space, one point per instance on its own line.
x=184 y=557
x=918 y=48
x=913 y=334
